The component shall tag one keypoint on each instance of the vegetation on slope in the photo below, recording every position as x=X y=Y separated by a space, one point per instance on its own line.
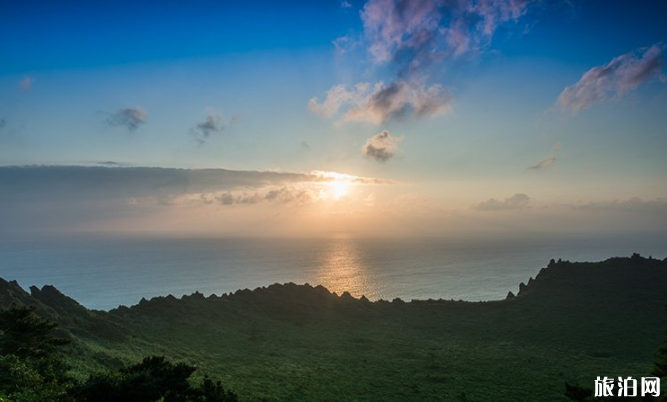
x=31 y=370
x=573 y=322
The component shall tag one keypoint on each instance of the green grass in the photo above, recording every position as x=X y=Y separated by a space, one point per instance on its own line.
x=298 y=343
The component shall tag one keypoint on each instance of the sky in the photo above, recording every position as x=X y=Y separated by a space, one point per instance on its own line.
x=377 y=117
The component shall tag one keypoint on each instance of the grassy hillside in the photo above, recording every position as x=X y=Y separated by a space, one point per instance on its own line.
x=573 y=322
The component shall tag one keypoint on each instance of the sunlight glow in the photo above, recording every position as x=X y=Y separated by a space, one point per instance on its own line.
x=339 y=188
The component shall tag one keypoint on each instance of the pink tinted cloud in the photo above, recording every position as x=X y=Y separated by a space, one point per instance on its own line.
x=379 y=102
x=433 y=29
x=613 y=80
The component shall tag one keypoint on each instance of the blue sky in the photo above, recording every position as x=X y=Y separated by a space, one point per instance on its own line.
x=510 y=114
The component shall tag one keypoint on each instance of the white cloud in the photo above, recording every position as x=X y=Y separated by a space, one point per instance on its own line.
x=344 y=44
x=614 y=79
x=339 y=97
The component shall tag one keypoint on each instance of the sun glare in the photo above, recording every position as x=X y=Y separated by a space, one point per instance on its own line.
x=339 y=188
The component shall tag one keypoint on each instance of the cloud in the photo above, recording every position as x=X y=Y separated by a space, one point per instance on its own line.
x=287 y=195
x=379 y=103
x=544 y=163
x=109 y=163
x=338 y=97
x=3 y=123
x=305 y=145
x=658 y=205
x=381 y=147
x=409 y=37
x=325 y=176
x=415 y=33
x=613 y=80
x=517 y=201
x=392 y=27
x=344 y=44
x=62 y=197
x=129 y=118
x=26 y=83
x=111 y=182
x=229 y=198
x=291 y=195
x=214 y=123
x=346 y=4
x=548 y=161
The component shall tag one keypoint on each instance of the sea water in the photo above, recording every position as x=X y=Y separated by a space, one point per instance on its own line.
x=105 y=271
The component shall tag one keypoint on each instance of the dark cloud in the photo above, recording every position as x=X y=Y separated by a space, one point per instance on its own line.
x=63 y=197
x=544 y=163
x=547 y=162
x=517 y=201
x=291 y=195
x=305 y=145
x=57 y=197
x=2 y=123
x=214 y=123
x=614 y=79
x=130 y=118
x=635 y=204
x=109 y=163
x=379 y=103
x=121 y=182
x=229 y=198
x=388 y=101
x=96 y=182
x=381 y=147
x=279 y=195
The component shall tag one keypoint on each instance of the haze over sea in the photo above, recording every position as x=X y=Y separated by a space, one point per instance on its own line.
x=102 y=272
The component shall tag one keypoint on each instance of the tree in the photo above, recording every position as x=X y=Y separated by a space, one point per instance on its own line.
x=660 y=368
x=30 y=368
x=26 y=335
x=154 y=379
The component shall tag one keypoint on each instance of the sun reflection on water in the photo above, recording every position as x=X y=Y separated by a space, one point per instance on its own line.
x=342 y=269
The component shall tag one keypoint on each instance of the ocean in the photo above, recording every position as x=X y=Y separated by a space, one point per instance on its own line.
x=103 y=271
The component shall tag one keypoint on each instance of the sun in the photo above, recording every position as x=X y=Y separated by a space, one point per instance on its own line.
x=339 y=188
